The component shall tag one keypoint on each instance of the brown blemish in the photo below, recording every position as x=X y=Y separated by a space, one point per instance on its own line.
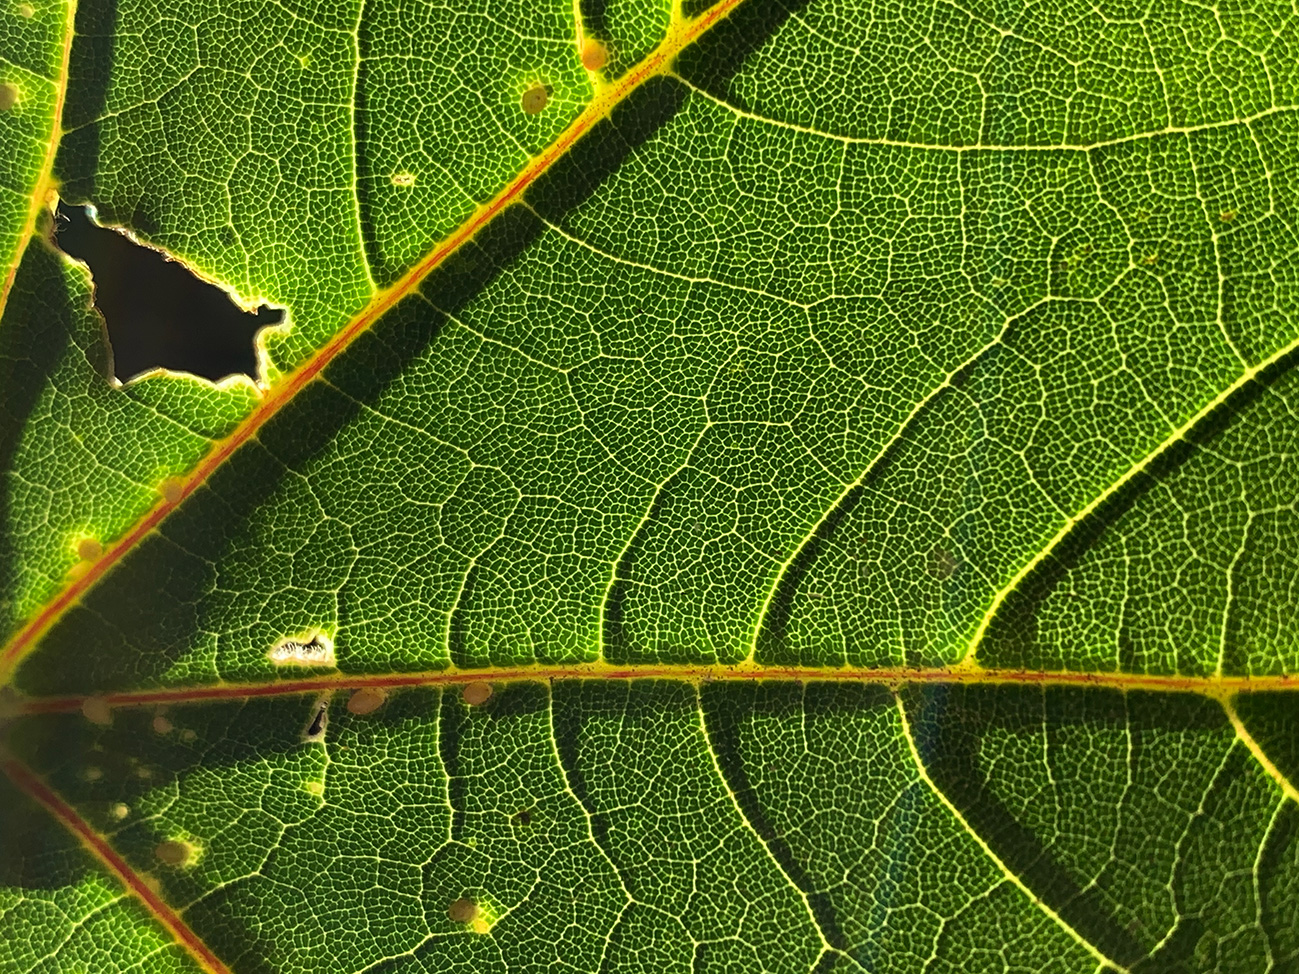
x=594 y=55
x=119 y=811
x=522 y=818
x=365 y=701
x=171 y=490
x=89 y=549
x=172 y=853
x=97 y=711
x=161 y=725
x=476 y=694
x=9 y=97
x=535 y=99
x=462 y=910
x=1226 y=216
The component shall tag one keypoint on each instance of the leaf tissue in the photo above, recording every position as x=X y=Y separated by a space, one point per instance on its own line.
x=763 y=485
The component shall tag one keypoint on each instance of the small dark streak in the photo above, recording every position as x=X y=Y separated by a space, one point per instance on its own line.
x=318 y=722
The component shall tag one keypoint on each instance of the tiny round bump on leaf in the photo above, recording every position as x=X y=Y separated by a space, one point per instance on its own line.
x=89 y=549
x=172 y=853
x=365 y=700
x=462 y=910
x=161 y=725
x=594 y=55
x=477 y=693
x=9 y=97
x=97 y=711
x=535 y=99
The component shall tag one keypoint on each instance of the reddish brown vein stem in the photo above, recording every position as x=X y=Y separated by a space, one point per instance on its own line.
x=679 y=36
x=25 y=780
x=1217 y=687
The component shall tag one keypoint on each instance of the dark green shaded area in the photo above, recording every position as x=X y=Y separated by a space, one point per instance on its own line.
x=60 y=912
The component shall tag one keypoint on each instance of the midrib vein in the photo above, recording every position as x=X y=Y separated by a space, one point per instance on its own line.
x=680 y=35
x=1216 y=687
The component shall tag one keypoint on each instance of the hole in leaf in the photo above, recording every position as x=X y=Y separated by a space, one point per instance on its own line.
x=317 y=650
x=159 y=315
x=462 y=910
x=522 y=818
x=317 y=726
x=476 y=694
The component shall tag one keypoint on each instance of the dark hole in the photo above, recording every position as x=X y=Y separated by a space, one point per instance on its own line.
x=523 y=817
x=317 y=722
x=159 y=315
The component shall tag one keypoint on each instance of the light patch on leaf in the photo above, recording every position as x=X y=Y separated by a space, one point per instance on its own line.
x=311 y=649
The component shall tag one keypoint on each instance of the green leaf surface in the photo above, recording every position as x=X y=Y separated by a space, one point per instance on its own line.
x=816 y=493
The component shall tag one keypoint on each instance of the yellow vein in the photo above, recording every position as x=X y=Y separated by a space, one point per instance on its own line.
x=1177 y=436
x=826 y=946
x=45 y=176
x=1246 y=738
x=981 y=146
x=880 y=454
x=987 y=850
x=680 y=35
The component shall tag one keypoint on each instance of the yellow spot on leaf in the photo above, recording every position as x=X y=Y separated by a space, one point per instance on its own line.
x=535 y=99
x=9 y=97
x=594 y=55
x=476 y=694
x=403 y=179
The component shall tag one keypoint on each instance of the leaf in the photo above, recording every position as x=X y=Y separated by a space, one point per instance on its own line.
x=814 y=492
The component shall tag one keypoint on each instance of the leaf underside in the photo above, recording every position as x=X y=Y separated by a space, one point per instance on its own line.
x=946 y=352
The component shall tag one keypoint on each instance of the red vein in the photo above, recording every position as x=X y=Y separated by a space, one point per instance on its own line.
x=26 y=781
x=1217 y=687
x=44 y=179
x=679 y=36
